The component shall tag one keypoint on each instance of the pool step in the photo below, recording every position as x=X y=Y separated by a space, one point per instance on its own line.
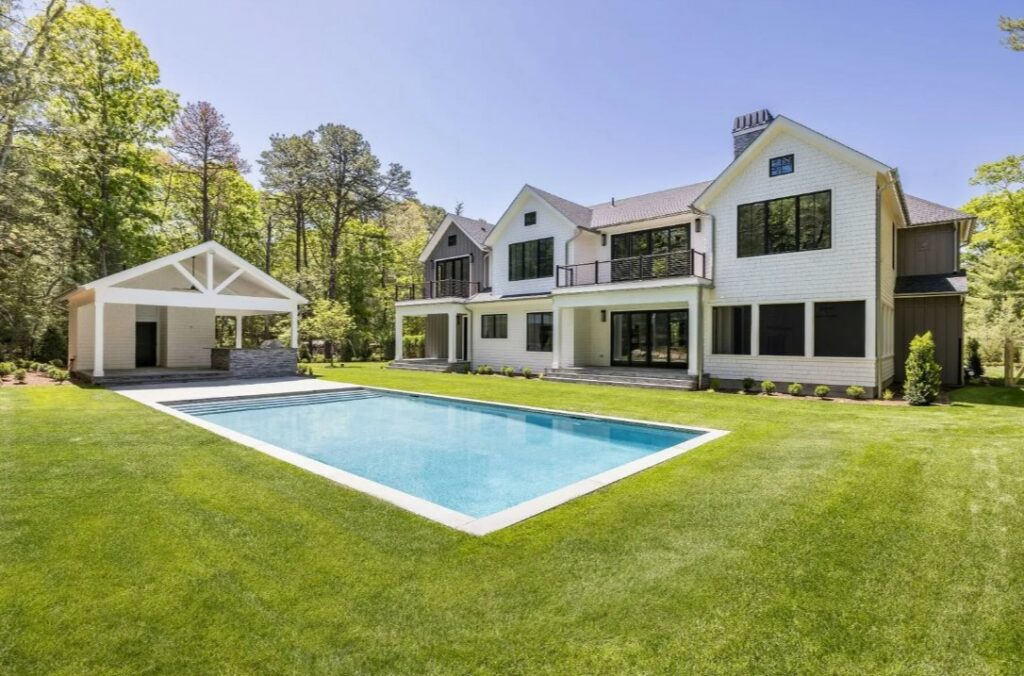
x=430 y=365
x=231 y=405
x=663 y=379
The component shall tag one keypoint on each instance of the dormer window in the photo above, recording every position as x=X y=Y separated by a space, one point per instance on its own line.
x=778 y=166
x=452 y=240
x=530 y=218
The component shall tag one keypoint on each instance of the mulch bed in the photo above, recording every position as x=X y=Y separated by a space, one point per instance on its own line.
x=32 y=379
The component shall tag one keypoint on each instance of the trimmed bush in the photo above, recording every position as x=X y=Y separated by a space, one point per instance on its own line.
x=484 y=370
x=795 y=389
x=748 y=384
x=6 y=368
x=20 y=375
x=60 y=375
x=974 y=366
x=508 y=371
x=767 y=387
x=822 y=391
x=888 y=395
x=527 y=372
x=855 y=392
x=924 y=375
x=715 y=384
x=57 y=363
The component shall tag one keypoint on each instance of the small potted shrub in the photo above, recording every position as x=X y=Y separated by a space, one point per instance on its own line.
x=795 y=389
x=822 y=391
x=767 y=387
x=748 y=384
x=20 y=375
x=855 y=392
x=715 y=384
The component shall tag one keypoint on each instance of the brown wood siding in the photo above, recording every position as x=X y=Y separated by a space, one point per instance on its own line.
x=464 y=246
x=943 y=316
x=927 y=250
x=436 y=341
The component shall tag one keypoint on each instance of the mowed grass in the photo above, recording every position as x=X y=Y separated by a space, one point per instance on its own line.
x=816 y=538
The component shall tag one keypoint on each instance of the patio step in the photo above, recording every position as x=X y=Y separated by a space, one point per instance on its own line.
x=654 y=379
x=431 y=365
x=159 y=379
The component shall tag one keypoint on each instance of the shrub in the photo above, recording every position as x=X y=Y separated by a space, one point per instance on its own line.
x=974 y=366
x=484 y=370
x=57 y=363
x=304 y=354
x=20 y=375
x=888 y=395
x=767 y=387
x=6 y=368
x=527 y=372
x=822 y=391
x=715 y=384
x=748 y=384
x=60 y=375
x=508 y=371
x=855 y=392
x=796 y=389
x=924 y=375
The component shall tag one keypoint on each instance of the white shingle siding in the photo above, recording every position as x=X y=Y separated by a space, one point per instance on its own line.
x=118 y=336
x=511 y=351
x=843 y=272
x=549 y=224
x=189 y=337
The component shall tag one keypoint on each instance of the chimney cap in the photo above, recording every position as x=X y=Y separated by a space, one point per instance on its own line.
x=750 y=121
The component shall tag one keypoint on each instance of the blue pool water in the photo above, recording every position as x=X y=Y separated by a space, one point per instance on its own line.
x=475 y=459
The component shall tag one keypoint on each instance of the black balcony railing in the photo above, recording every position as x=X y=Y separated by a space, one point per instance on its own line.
x=684 y=263
x=444 y=288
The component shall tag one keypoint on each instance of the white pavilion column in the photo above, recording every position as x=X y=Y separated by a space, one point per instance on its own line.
x=399 y=342
x=565 y=336
x=97 y=342
x=295 y=328
x=556 y=340
x=238 y=332
x=453 y=336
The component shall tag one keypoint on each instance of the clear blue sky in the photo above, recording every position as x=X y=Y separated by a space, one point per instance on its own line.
x=596 y=99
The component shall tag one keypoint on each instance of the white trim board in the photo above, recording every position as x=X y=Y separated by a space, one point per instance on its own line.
x=453 y=519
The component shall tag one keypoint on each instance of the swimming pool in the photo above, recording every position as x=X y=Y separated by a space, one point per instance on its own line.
x=472 y=465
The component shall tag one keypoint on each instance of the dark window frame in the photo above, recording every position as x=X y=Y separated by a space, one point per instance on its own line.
x=494 y=326
x=530 y=218
x=742 y=337
x=765 y=208
x=453 y=239
x=542 y=263
x=764 y=349
x=841 y=332
x=777 y=164
x=543 y=323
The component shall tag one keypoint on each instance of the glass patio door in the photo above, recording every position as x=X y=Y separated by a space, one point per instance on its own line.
x=656 y=338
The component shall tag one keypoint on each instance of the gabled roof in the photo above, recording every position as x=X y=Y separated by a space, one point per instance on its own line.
x=924 y=212
x=577 y=214
x=174 y=260
x=476 y=229
x=645 y=207
x=941 y=284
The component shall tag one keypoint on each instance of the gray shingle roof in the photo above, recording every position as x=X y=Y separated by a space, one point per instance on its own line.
x=476 y=228
x=628 y=209
x=952 y=282
x=923 y=212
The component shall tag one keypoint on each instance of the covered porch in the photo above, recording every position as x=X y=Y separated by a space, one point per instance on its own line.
x=157 y=320
x=446 y=337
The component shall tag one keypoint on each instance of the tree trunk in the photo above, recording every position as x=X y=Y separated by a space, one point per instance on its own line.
x=1009 y=378
x=205 y=186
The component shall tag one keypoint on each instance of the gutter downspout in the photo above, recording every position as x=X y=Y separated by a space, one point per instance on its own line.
x=890 y=182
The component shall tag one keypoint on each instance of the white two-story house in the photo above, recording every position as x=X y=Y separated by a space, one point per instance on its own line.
x=803 y=261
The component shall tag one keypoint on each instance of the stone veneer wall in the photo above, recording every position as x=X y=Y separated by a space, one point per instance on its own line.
x=255 y=363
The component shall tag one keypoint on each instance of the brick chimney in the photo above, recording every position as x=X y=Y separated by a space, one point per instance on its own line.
x=746 y=129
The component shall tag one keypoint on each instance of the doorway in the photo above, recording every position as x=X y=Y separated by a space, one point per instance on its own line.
x=657 y=338
x=145 y=344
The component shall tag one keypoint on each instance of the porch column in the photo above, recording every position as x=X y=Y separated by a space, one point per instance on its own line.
x=295 y=328
x=693 y=356
x=556 y=340
x=453 y=336
x=399 y=341
x=565 y=331
x=238 y=332
x=97 y=341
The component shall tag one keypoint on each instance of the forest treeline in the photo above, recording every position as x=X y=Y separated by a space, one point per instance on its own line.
x=101 y=169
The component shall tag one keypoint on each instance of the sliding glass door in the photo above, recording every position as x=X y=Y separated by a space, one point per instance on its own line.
x=650 y=338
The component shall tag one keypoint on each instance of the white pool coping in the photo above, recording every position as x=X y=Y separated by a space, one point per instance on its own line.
x=157 y=397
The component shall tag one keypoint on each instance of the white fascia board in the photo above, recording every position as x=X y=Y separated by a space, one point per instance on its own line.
x=503 y=222
x=197 y=300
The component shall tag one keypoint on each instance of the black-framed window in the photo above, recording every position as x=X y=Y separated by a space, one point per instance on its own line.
x=797 y=223
x=839 y=329
x=781 y=330
x=539 y=331
x=778 y=166
x=730 y=329
x=531 y=260
x=494 y=326
x=530 y=218
x=453 y=240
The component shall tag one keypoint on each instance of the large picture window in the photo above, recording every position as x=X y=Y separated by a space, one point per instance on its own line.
x=839 y=329
x=539 y=331
x=531 y=260
x=799 y=223
x=494 y=326
x=781 y=330
x=731 y=330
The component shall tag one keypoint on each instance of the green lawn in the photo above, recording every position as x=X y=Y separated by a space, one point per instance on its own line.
x=815 y=538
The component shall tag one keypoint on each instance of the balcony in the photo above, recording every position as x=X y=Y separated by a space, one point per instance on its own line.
x=685 y=263
x=444 y=288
